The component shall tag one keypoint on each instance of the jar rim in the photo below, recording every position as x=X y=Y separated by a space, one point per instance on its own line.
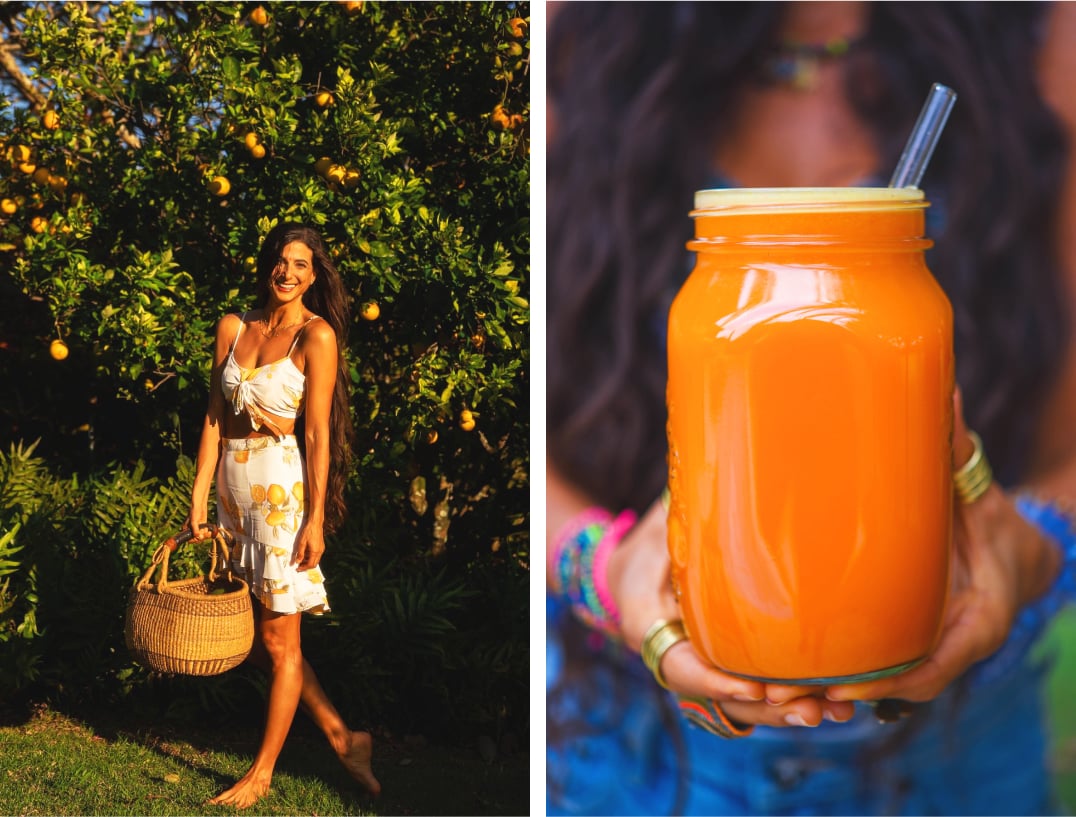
x=712 y=201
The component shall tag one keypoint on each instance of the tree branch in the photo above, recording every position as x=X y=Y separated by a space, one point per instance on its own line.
x=22 y=82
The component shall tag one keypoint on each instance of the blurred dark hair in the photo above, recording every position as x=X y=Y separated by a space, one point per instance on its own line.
x=328 y=299
x=639 y=94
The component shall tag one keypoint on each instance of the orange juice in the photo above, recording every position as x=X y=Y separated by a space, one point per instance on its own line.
x=809 y=423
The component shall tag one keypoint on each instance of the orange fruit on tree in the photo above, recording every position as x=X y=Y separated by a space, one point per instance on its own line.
x=39 y=224
x=259 y=16
x=467 y=420
x=324 y=99
x=51 y=120
x=371 y=310
x=500 y=117
x=58 y=350
x=258 y=151
x=251 y=139
x=336 y=173
x=322 y=165
x=8 y=206
x=220 y=186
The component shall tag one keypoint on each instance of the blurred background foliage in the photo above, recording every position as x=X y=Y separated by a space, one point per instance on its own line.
x=145 y=150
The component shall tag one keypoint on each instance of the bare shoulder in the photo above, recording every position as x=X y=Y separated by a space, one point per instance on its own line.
x=319 y=334
x=229 y=323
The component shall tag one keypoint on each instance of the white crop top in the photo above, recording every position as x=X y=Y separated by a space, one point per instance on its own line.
x=276 y=388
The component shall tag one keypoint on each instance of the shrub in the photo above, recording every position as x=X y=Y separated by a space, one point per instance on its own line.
x=125 y=245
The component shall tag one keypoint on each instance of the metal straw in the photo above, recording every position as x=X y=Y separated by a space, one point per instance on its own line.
x=924 y=138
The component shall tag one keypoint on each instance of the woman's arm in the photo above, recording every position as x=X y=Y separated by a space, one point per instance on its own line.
x=209 y=444
x=321 y=358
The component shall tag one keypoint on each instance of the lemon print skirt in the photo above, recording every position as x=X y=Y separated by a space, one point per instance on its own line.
x=261 y=483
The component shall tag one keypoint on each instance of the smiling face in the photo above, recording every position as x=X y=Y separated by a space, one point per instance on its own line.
x=294 y=273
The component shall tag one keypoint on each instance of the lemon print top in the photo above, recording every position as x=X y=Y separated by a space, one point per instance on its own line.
x=276 y=388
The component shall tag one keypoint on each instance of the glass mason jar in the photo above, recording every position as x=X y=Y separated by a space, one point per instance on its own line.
x=810 y=425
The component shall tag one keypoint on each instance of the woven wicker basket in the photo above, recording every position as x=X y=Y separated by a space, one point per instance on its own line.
x=201 y=626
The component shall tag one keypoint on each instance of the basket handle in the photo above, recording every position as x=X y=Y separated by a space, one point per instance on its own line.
x=221 y=539
x=220 y=556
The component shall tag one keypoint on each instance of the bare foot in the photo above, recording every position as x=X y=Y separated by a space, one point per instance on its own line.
x=245 y=793
x=356 y=759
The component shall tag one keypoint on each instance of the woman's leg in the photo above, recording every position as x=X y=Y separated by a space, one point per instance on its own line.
x=277 y=636
x=355 y=749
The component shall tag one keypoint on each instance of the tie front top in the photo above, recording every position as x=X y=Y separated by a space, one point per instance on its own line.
x=276 y=388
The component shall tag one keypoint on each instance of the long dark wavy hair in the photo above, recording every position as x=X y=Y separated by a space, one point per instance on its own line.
x=640 y=95
x=328 y=299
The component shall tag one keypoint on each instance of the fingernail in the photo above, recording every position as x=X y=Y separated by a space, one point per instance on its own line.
x=795 y=719
x=832 y=717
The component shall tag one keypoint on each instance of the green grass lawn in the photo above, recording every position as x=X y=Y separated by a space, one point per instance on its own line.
x=1062 y=638
x=56 y=764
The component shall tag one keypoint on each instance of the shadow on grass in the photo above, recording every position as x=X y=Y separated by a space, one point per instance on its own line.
x=417 y=777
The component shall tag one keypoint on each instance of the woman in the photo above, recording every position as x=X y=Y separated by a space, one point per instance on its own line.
x=278 y=392
x=651 y=102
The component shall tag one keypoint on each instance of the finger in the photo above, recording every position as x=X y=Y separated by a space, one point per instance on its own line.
x=310 y=561
x=921 y=683
x=809 y=711
x=687 y=673
x=780 y=693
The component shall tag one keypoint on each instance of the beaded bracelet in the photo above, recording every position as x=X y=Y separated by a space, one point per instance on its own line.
x=579 y=560
x=580 y=532
x=1032 y=620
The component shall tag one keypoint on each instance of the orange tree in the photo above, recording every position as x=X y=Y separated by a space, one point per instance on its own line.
x=145 y=149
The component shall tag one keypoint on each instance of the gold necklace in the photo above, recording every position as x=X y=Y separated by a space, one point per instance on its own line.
x=273 y=332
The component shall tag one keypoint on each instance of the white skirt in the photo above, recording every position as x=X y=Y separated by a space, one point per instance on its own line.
x=261 y=497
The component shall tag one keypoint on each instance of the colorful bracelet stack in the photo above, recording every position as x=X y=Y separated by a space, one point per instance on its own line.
x=1033 y=619
x=579 y=560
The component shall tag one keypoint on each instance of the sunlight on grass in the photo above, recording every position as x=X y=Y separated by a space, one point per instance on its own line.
x=51 y=764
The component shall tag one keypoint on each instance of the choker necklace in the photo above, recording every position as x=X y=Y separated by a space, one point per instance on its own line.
x=272 y=333
x=795 y=64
